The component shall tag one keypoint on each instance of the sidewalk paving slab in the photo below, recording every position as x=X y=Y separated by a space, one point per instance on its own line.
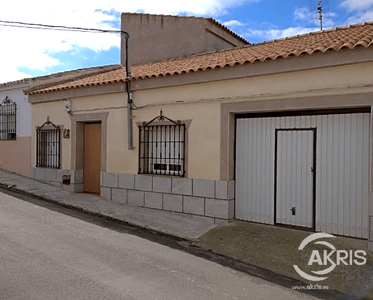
x=171 y=223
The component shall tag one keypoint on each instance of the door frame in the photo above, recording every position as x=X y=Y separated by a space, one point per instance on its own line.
x=313 y=228
x=77 y=133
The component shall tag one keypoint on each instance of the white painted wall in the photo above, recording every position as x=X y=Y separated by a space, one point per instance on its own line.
x=16 y=94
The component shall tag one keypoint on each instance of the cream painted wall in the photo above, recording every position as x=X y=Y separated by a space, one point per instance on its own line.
x=203 y=148
x=326 y=81
x=199 y=103
x=204 y=131
x=58 y=116
x=15 y=155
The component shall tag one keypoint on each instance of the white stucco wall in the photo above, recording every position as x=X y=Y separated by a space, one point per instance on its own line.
x=23 y=108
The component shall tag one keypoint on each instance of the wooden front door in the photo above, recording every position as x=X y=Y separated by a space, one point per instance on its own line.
x=92 y=157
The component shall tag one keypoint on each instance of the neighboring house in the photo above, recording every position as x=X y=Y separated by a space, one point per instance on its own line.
x=15 y=127
x=15 y=116
x=277 y=133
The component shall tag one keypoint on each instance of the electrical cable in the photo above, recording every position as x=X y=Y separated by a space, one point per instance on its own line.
x=125 y=34
x=58 y=27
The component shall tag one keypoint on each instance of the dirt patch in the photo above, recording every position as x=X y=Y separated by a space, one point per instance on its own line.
x=276 y=249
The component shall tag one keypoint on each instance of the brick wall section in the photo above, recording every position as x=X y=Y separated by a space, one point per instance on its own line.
x=159 y=37
x=207 y=198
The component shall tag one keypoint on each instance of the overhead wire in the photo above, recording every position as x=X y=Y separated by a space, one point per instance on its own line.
x=78 y=29
x=58 y=27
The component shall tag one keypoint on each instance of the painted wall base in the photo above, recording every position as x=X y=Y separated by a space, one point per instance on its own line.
x=56 y=177
x=15 y=155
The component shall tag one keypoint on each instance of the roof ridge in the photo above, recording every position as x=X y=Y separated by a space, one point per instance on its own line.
x=227 y=29
x=77 y=74
x=58 y=74
x=259 y=43
x=163 y=15
x=311 y=33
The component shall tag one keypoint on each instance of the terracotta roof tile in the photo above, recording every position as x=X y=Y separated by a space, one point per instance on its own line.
x=351 y=37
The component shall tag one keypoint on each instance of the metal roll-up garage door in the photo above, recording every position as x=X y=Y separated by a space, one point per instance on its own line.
x=308 y=171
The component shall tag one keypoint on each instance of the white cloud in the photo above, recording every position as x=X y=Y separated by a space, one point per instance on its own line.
x=233 y=23
x=357 y=5
x=272 y=34
x=34 y=48
x=302 y=13
x=305 y=15
x=366 y=16
x=362 y=10
x=306 y=20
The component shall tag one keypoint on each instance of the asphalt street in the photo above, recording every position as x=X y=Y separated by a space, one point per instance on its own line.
x=46 y=254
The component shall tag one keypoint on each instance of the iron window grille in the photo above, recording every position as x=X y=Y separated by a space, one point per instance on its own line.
x=48 y=145
x=162 y=147
x=8 y=112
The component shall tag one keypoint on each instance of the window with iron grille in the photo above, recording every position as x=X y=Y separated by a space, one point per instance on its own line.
x=162 y=148
x=48 y=145
x=8 y=110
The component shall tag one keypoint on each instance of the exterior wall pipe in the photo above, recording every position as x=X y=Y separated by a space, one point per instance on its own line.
x=129 y=115
x=129 y=95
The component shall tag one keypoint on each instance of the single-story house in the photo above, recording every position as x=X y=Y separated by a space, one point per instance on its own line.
x=15 y=116
x=278 y=133
x=15 y=128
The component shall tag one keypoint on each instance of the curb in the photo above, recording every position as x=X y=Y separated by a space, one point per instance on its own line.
x=13 y=188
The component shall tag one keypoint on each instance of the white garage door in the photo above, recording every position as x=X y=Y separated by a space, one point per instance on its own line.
x=308 y=171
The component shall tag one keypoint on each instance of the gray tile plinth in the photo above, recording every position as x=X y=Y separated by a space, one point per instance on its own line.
x=216 y=208
x=162 y=184
x=136 y=197
x=182 y=186
x=126 y=181
x=194 y=205
x=153 y=200
x=39 y=173
x=204 y=188
x=119 y=195
x=105 y=193
x=110 y=180
x=144 y=182
x=173 y=202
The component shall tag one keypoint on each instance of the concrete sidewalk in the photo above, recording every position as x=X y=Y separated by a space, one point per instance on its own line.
x=184 y=226
x=260 y=246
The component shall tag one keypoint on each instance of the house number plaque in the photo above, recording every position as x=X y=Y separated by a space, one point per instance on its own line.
x=66 y=133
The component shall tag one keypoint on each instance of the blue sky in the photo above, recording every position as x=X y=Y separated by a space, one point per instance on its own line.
x=30 y=52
